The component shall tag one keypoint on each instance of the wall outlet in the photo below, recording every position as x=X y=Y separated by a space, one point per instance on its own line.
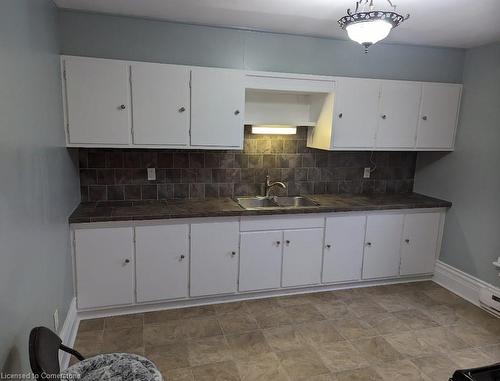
x=366 y=173
x=56 y=321
x=151 y=173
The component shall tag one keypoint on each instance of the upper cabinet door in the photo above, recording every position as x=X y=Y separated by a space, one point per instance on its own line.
x=420 y=240
x=160 y=96
x=398 y=115
x=217 y=107
x=97 y=102
x=356 y=111
x=438 y=116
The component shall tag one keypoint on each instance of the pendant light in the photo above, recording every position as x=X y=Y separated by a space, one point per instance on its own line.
x=368 y=25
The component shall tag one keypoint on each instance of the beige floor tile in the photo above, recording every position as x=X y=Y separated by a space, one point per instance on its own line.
x=262 y=306
x=492 y=351
x=178 y=314
x=386 y=323
x=474 y=334
x=235 y=323
x=208 y=350
x=408 y=344
x=302 y=364
x=201 y=327
x=377 y=349
x=340 y=356
x=163 y=333
x=124 y=321
x=265 y=367
x=222 y=371
x=129 y=340
x=470 y=358
x=403 y=370
x=89 y=343
x=335 y=310
x=393 y=302
x=441 y=314
x=283 y=338
x=478 y=316
x=420 y=300
x=363 y=307
x=441 y=339
x=237 y=307
x=184 y=374
x=362 y=374
x=443 y=296
x=293 y=300
x=355 y=328
x=415 y=319
x=437 y=367
x=303 y=313
x=324 y=297
x=91 y=325
x=248 y=344
x=277 y=317
x=169 y=356
x=319 y=332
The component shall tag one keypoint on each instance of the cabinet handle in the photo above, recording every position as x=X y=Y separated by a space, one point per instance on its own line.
x=278 y=243
x=182 y=109
x=233 y=253
x=126 y=261
x=424 y=117
x=368 y=244
x=328 y=246
x=237 y=112
x=123 y=107
x=182 y=257
x=407 y=240
x=287 y=242
x=340 y=116
x=384 y=116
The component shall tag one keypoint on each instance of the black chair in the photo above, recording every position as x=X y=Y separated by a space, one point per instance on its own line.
x=484 y=373
x=44 y=346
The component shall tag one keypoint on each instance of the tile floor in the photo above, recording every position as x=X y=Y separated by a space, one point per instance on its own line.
x=414 y=331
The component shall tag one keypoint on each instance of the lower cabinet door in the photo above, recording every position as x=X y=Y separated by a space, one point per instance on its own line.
x=420 y=240
x=214 y=258
x=104 y=267
x=162 y=262
x=260 y=260
x=343 y=253
x=382 y=246
x=302 y=256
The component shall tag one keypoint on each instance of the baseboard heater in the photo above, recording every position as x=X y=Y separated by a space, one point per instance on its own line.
x=490 y=300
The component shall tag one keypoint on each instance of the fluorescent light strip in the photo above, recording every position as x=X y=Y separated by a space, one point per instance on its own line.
x=274 y=130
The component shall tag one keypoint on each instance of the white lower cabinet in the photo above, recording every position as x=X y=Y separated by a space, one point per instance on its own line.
x=302 y=256
x=260 y=260
x=343 y=253
x=162 y=262
x=104 y=261
x=420 y=240
x=214 y=258
x=382 y=246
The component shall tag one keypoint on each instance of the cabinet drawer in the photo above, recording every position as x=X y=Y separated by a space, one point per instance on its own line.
x=299 y=221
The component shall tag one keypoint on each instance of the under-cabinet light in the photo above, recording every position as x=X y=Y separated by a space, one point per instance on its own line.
x=274 y=129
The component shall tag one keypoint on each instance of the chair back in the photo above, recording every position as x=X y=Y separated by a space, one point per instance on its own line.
x=44 y=352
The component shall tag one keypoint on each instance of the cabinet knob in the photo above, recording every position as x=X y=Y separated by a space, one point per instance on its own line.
x=287 y=242
x=384 y=116
x=123 y=107
x=278 y=243
x=182 y=257
x=328 y=246
x=340 y=116
x=424 y=117
x=237 y=112
x=368 y=244
x=233 y=253
x=182 y=109
x=407 y=240
x=126 y=261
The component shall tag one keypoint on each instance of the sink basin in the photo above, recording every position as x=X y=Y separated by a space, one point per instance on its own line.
x=275 y=202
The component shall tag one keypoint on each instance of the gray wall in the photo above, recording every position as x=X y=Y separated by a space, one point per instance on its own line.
x=105 y=36
x=39 y=184
x=470 y=176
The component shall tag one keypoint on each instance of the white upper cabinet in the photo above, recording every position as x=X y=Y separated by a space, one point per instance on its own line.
x=161 y=105
x=420 y=243
x=97 y=95
x=214 y=258
x=398 y=114
x=438 y=116
x=217 y=107
x=382 y=246
x=343 y=253
x=356 y=111
x=162 y=262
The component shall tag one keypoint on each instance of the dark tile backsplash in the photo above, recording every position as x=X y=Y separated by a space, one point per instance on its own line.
x=120 y=174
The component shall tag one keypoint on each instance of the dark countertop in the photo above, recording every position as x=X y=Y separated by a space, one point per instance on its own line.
x=219 y=207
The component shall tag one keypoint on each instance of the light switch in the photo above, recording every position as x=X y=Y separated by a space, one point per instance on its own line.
x=151 y=173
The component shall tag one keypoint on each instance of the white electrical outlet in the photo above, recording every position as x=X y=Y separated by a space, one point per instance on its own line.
x=56 y=320
x=367 y=172
x=151 y=173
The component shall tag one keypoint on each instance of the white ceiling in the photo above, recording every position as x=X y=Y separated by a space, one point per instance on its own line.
x=453 y=23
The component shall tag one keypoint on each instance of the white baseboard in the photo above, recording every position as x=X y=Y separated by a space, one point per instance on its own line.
x=68 y=332
x=460 y=283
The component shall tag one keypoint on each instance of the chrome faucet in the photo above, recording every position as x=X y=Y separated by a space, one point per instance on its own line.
x=269 y=185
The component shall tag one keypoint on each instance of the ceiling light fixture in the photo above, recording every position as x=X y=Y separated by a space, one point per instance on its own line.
x=274 y=129
x=367 y=26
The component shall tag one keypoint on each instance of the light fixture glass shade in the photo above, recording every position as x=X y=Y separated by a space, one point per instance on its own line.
x=368 y=32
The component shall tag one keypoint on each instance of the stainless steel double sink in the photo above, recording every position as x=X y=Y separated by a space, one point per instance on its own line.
x=258 y=202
